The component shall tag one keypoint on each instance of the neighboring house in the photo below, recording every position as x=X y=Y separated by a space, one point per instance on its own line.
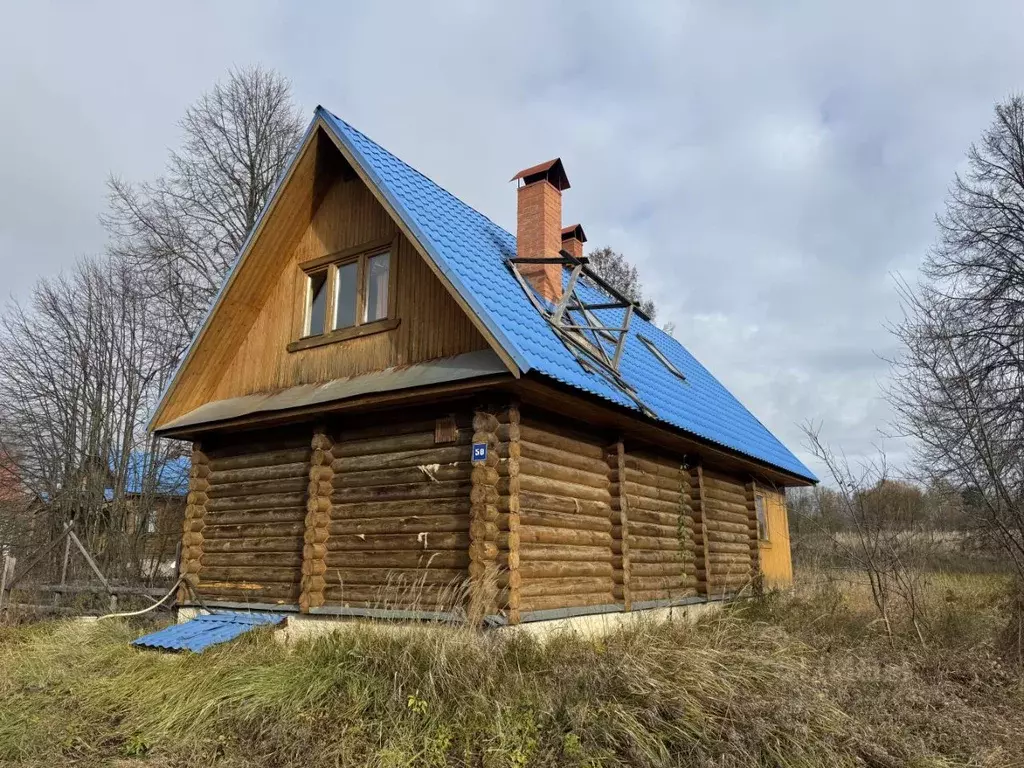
x=157 y=493
x=390 y=386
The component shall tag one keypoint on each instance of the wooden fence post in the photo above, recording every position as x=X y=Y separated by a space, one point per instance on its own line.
x=6 y=576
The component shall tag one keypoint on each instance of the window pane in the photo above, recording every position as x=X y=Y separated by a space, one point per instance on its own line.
x=377 y=268
x=316 y=309
x=345 y=301
x=762 y=520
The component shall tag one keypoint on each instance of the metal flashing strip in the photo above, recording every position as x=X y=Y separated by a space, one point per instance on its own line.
x=464 y=367
x=671 y=602
x=394 y=614
x=568 y=613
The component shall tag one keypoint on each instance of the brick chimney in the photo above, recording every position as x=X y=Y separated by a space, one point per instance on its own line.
x=539 y=225
x=573 y=239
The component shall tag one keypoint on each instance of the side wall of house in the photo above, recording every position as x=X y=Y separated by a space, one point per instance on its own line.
x=392 y=510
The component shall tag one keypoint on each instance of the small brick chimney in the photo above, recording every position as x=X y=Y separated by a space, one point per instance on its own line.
x=573 y=239
x=539 y=225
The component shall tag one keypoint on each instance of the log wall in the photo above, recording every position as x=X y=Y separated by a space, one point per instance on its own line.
x=724 y=531
x=660 y=543
x=566 y=556
x=399 y=530
x=254 y=519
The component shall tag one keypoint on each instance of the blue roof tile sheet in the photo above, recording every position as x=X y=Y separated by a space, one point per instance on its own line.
x=471 y=251
x=200 y=633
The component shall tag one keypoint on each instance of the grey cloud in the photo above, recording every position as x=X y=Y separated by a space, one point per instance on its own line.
x=768 y=166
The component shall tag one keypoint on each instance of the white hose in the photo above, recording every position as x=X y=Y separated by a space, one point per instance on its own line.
x=157 y=604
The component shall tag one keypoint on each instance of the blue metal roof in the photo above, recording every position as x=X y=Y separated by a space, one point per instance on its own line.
x=200 y=633
x=470 y=250
x=171 y=475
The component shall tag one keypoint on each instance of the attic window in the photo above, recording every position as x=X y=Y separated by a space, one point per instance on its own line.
x=348 y=294
x=661 y=357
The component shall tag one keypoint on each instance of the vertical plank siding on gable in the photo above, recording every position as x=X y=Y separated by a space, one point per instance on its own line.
x=245 y=350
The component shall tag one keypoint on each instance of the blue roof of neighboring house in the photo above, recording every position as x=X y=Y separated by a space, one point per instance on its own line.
x=470 y=250
x=200 y=633
x=171 y=476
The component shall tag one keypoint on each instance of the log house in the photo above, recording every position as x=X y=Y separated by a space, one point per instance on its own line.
x=398 y=409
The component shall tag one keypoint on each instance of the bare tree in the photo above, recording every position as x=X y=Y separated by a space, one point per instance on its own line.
x=184 y=230
x=958 y=387
x=883 y=532
x=616 y=270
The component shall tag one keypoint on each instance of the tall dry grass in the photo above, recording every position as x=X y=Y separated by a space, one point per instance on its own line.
x=792 y=680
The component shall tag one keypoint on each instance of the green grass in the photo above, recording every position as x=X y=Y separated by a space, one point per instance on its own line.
x=792 y=680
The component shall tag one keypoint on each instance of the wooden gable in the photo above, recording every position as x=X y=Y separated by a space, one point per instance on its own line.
x=323 y=208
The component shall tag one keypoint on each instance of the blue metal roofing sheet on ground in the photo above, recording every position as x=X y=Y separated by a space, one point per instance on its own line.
x=471 y=251
x=205 y=630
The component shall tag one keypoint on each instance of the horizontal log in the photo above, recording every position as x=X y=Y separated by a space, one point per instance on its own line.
x=553 y=437
x=529 y=533
x=716 y=505
x=653 y=481
x=548 y=470
x=558 y=552
x=255 y=516
x=260 y=459
x=367 y=528
x=399 y=508
x=275 y=559
x=675 y=581
x=538 y=569
x=638 y=555
x=727 y=557
x=574 y=506
x=444 y=489
x=411 y=441
x=655 y=505
x=728 y=547
x=568 y=586
x=409 y=578
x=645 y=491
x=427 y=597
x=645 y=595
x=256 y=593
x=725 y=537
x=389 y=428
x=655 y=569
x=550 y=602
x=551 y=487
x=649 y=529
x=260 y=544
x=258 y=487
x=248 y=575
x=442 y=454
x=254 y=474
x=258 y=501
x=403 y=475
x=726 y=517
x=727 y=527
x=651 y=466
x=390 y=542
x=404 y=559
x=559 y=457
x=531 y=517
x=255 y=530
x=638 y=515
x=653 y=542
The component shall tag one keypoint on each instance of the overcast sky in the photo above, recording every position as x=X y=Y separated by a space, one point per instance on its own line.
x=768 y=166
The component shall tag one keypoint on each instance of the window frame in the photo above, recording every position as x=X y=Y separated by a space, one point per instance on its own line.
x=360 y=255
